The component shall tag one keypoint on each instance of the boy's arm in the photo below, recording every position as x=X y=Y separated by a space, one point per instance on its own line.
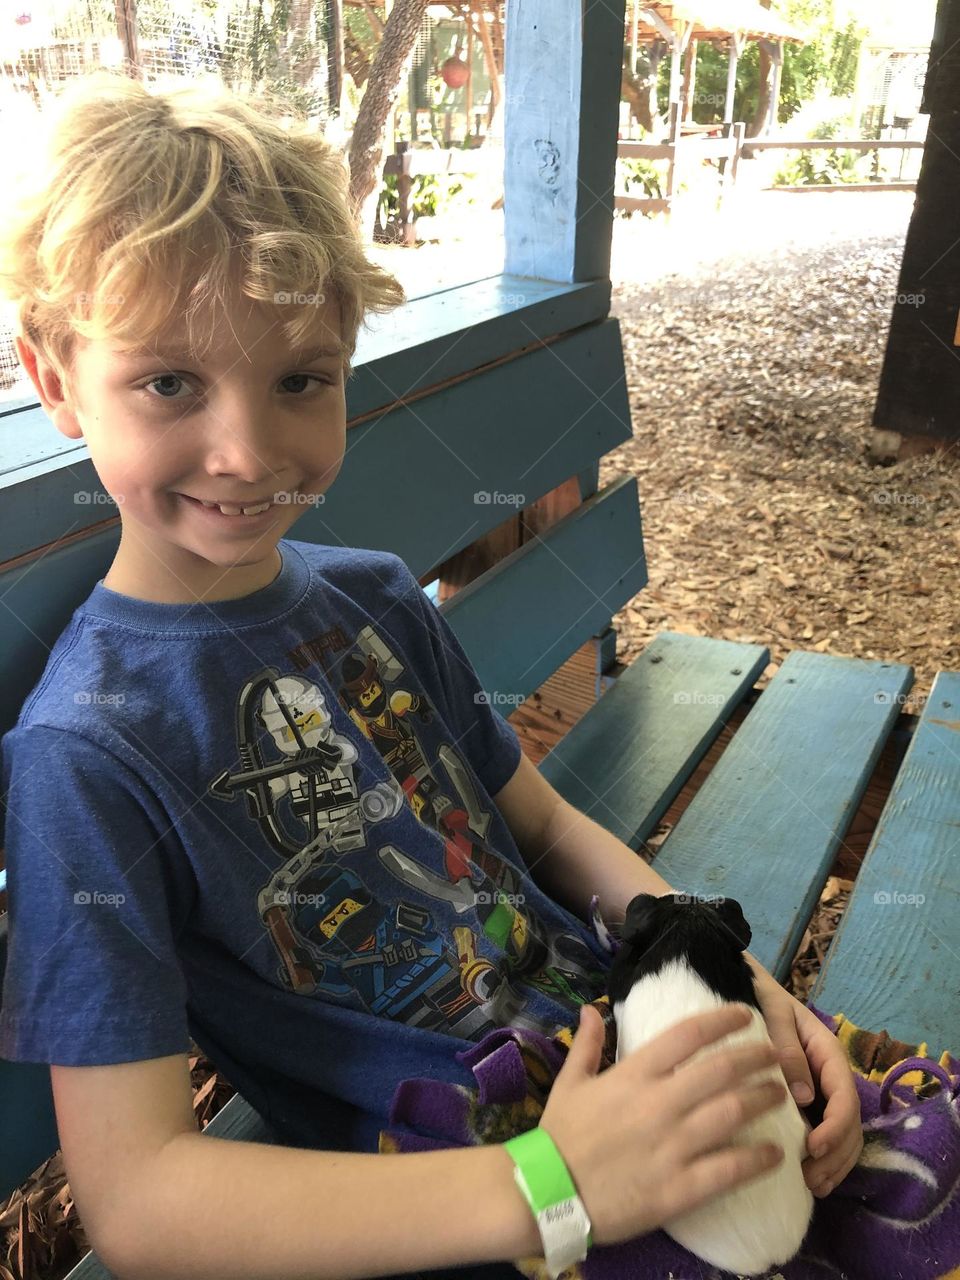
x=158 y=1199
x=570 y=856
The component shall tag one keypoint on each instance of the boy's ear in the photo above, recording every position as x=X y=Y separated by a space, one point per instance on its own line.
x=728 y=909
x=50 y=388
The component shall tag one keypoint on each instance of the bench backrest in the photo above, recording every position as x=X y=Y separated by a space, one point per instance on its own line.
x=467 y=405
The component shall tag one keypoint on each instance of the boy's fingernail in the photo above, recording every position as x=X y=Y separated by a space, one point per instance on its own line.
x=802 y=1092
x=817 y=1152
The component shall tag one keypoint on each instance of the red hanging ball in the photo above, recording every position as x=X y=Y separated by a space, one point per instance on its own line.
x=455 y=73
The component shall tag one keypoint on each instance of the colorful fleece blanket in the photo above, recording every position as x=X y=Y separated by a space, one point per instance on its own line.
x=896 y=1216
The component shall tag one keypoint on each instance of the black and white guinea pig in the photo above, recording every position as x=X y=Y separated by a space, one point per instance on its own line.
x=680 y=955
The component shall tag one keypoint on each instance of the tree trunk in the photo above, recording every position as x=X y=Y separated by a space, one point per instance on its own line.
x=756 y=125
x=640 y=91
x=334 y=55
x=380 y=95
x=300 y=37
x=759 y=120
x=125 y=12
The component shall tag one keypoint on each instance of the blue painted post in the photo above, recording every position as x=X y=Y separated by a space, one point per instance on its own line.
x=562 y=71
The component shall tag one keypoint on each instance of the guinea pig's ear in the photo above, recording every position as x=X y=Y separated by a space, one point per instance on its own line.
x=640 y=917
x=728 y=909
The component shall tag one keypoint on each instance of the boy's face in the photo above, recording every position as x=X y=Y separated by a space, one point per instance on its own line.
x=164 y=430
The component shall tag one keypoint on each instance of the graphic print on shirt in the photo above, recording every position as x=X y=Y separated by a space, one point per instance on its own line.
x=453 y=953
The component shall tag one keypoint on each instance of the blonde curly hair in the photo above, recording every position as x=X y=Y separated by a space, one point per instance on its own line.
x=138 y=208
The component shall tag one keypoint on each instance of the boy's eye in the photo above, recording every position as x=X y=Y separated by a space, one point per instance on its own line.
x=168 y=378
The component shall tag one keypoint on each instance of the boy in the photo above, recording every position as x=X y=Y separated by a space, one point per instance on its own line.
x=283 y=821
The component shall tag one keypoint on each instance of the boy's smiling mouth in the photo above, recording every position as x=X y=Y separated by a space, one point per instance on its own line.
x=248 y=514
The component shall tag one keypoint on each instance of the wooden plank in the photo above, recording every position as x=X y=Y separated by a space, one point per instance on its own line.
x=240 y=1122
x=24 y=1091
x=836 y=144
x=562 y=63
x=649 y=204
x=827 y=187
x=38 y=599
x=623 y=763
x=400 y=356
x=894 y=960
x=555 y=593
x=645 y=150
x=766 y=824
x=478 y=463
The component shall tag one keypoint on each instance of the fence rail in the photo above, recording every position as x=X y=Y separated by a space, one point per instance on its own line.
x=732 y=146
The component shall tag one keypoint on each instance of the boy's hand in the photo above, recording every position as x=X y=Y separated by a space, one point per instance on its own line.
x=807 y=1047
x=649 y=1138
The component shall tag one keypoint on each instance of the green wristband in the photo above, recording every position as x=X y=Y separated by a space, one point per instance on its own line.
x=545 y=1181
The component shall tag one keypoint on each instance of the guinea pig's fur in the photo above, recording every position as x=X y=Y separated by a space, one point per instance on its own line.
x=680 y=955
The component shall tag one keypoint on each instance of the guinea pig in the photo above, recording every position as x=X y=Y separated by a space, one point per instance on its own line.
x=680 y=955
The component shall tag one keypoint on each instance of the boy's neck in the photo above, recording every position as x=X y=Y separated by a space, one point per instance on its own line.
x=187 y=584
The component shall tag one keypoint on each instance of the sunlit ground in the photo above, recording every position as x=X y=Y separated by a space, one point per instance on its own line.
x=749 y=222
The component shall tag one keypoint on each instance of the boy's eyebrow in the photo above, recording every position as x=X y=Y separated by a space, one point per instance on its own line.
x=322 y=352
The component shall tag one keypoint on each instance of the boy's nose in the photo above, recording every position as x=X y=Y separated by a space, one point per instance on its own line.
x=245 y=446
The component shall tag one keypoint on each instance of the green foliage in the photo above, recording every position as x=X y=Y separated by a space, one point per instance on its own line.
x=823 y=168
x=430 y=195
x=637 y=177
x=826 y=62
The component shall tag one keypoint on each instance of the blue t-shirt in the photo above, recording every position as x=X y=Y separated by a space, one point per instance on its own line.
x=265 y=823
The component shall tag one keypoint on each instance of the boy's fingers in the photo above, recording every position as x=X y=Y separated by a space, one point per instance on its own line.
x=665 y=1053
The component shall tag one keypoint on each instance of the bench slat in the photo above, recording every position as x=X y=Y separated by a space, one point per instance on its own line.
x=24 y=1091
x=526 y=615
x=893 y=963
x=483 y=434
x=624 y=762
x=766 y=824
x=441 y=336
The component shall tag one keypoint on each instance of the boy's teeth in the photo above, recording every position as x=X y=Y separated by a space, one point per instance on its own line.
x=229 y=510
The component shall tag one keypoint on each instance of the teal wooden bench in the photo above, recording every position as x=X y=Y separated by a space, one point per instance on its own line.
x=515 y=383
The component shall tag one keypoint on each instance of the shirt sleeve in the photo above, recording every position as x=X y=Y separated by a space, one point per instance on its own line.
x=486 y=738
x=98 y=889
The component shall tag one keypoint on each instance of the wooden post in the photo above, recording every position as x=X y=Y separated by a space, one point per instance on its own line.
x=776 y=53
x=673 y=137
x=689 y=80
x=125 y=12
x=469 y=134
x=563 y=66
x=737 y=40
x=563 y=63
